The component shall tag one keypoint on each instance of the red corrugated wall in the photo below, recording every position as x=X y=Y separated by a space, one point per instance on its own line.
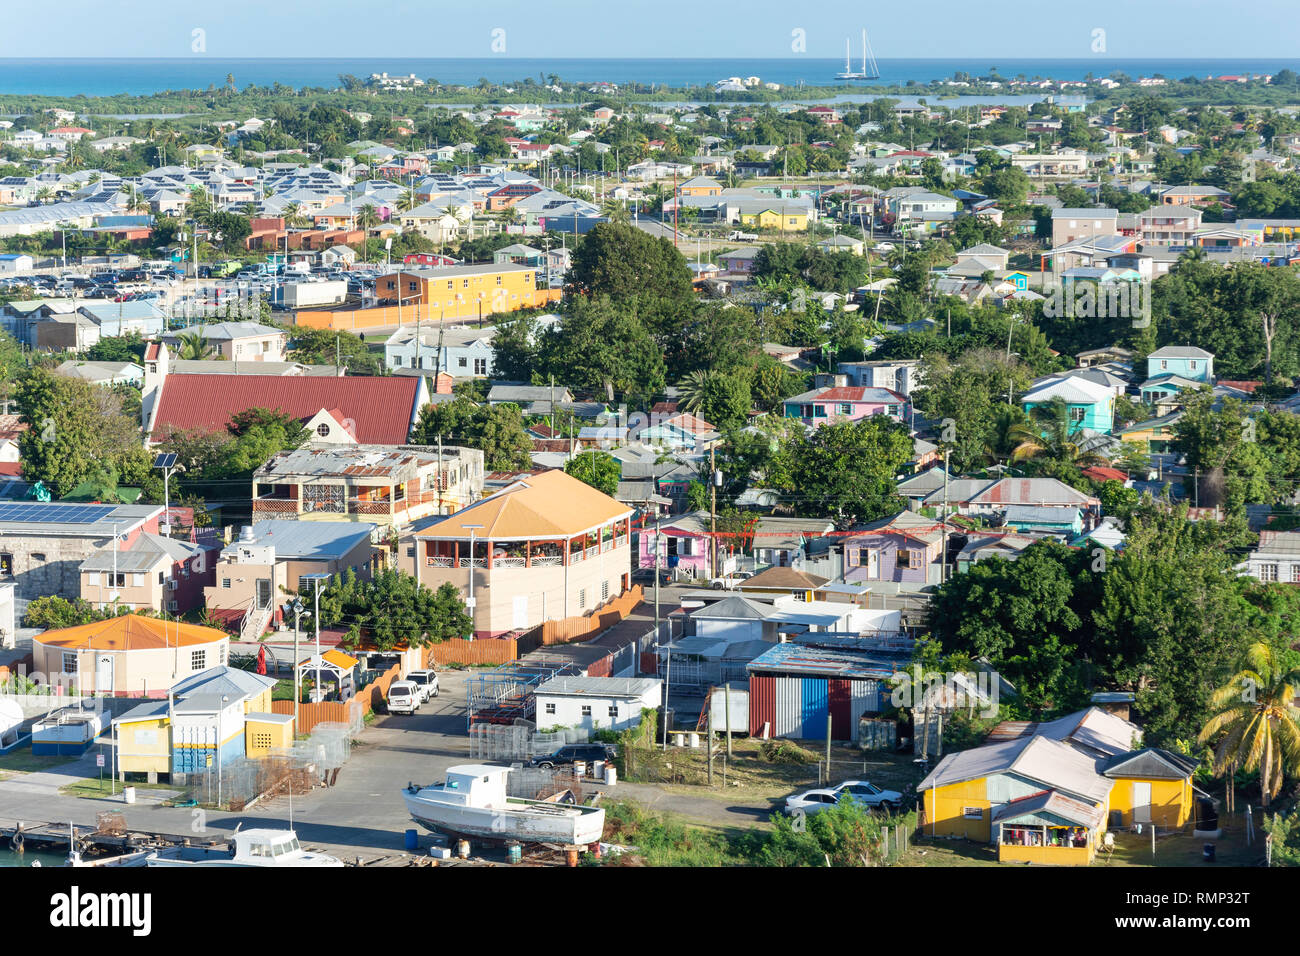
x=601 y=668
x=841 y=695
x=762 y=704
x=649 y=662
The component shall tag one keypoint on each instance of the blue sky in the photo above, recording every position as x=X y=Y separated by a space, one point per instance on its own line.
x=636 y=28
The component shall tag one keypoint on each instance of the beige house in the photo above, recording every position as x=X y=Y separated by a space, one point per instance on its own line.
x=127 y=656
x=543 y=548
x=256 y=574
x=236 y=341
x=384 y=484
x=155 y=573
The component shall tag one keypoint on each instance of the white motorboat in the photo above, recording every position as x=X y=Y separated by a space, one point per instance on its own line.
x=473 y=802
x=260 y=847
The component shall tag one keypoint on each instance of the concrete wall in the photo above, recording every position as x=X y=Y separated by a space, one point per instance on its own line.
x=50 y=564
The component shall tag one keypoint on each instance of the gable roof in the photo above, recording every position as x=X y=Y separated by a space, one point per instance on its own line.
x=731 y=609
x=224 y=680
x=1032 y=491
x=1039 y=758
x=1151 y=763
x=777 y=577
x=382 y=407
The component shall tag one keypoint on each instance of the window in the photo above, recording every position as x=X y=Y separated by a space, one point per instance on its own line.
x=185 y=572
x=397 y=361
x=586 y=710
x=172 y=605
x=498 y=280
x=1077 y=414
x=582 y=597
x=464 y=284
x=1193 y=365
x=613 y=711
x=1295 y=574
x=451 y=283
x=323 y=430
x=550 y=708
x=38 y=557
x=411 y=286
x=1163 y=364
x=198 y=660
x=225 y=582
x=162 y=578
x=604 y=590
x=462 y=362
x=6 y=564
x=69 y=663
x=846 y=409
x=1268 y=572
x=480 y=366
x=92 y=579
x=410 y=551
x=905 y=558
x=864 y=556
x=972 y=813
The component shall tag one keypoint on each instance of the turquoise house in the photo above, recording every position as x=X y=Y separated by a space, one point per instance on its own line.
x=1185 y=361
x=1091 y=405
x=1046 y=520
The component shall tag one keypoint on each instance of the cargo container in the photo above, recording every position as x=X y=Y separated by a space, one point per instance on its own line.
x=304 y=295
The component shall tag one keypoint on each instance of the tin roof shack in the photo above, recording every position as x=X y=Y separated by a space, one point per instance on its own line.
x=42 y=544
x=1046 y=792
x=596 y=703
x=796 y=687
x=67 y=731
x=383 y=484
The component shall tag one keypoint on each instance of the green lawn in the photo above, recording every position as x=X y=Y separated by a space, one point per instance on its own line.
x=94 y=788
x=23 y=761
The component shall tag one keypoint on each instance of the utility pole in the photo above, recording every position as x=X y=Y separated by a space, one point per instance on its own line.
x=297 y=691
x=713 y=514
x=1196 y=489
x=943 y=577
x=726 y=703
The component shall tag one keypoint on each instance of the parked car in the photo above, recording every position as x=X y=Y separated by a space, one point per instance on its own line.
x=567 y=754
x=730 y=581
x=427 y=681
x=857 y=791
x=403 y=697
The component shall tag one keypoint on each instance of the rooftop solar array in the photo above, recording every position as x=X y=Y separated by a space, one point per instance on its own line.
x=48 y=513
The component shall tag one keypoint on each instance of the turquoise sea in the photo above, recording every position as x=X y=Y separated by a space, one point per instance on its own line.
x=108 y=77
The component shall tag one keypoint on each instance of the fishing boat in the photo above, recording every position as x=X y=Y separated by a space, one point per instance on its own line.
x=473 y=802
x=870 y=71
x=259 y=847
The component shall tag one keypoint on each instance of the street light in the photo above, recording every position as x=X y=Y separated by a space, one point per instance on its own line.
x=317 y=580
x=469 y=601
x=166 y=463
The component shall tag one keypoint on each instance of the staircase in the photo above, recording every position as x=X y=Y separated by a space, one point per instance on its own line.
x=254 y=622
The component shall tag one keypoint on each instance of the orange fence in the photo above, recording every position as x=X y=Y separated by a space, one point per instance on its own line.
x=389 y=316
x=497 y=650
x=309 y=715
x=567 y=630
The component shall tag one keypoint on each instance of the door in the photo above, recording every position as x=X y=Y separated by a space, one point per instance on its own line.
x=263 y=593
x=873 y=564
x=104 y=674
x=1141 y=802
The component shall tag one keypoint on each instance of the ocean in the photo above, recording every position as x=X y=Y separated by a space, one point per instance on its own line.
x=111 y=77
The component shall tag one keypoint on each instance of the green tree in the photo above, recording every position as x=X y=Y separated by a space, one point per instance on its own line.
x=596 y=468
x=848 y=470
x=329 y=347
x=393 y=608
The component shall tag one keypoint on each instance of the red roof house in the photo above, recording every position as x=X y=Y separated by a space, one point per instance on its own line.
x=381 y=409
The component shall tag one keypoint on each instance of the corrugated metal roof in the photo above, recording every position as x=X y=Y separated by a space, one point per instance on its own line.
x=823 y=662
x=597 y=686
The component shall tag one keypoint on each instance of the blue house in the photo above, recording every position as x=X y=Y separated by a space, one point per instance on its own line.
x=1066 y=521
x=1091 y=404
x=1185 y=361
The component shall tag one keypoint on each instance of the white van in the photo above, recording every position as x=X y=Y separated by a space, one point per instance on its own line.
x=403 y=697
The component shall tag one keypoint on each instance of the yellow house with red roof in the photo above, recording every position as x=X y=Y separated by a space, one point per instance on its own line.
x=546 y=547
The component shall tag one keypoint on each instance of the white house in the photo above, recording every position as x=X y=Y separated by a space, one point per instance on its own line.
x=456 y=350
x=608 y=703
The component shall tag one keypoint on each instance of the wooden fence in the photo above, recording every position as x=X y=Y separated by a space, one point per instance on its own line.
x=497 y=650
x=368 y=699
x=567 y=630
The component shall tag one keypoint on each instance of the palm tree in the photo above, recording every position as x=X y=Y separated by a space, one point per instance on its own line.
x=615 y=210
x=193 y=346
x=1254 y=724
x=367 y=216
x=1005 y=435
x=692 y=390
x=43 y=194
x=408 y=200
x=293 y=216
x=1049 y=434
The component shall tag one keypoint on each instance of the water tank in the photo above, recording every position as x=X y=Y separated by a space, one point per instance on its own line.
x=246 y=533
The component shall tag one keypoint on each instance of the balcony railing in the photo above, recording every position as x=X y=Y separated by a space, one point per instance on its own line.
x=438 y=562
x=575 y=556
x=547 y=561
x=593 y=551
x=620 y=541
x=279 y=506
x=362 y=506
x=473 y=562
x=508 y=562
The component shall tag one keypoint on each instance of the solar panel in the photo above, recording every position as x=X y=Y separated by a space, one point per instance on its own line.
x=42 y=513
x=165 y=460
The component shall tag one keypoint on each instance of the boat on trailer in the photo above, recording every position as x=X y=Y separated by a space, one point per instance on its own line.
x=472 y=801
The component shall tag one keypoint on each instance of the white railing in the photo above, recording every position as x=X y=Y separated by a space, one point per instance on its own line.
x=508 y=563
x=441 y=562
x=547 y=561
x=620 y=541
x=473 y=562
x=593 y=551
x=575 y=557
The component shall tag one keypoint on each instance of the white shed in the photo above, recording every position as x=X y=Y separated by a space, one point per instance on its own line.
x=604 y=703
x=731 y=619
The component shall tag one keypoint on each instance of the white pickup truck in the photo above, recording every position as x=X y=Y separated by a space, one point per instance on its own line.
x=738 y=236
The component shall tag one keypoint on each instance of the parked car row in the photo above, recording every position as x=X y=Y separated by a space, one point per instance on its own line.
x=407 y=695
x=855 y=791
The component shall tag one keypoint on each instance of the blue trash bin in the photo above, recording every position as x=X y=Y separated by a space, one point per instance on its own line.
x=412 y=839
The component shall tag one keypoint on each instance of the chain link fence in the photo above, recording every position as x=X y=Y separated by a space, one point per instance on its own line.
x=519 y=741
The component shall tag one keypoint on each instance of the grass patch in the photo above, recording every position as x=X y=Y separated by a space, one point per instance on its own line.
x=94 y=788
x=283 y=689
x=24 y=761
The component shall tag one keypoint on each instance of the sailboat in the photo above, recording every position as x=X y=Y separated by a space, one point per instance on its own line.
x=870 y=71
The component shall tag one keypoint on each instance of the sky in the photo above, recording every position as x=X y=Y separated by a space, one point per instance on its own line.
x=663 y=28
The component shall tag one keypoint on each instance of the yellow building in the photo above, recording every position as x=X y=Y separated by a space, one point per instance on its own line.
x=264 y=732
x=784 y=220
x=461 y=292
x=1046 y=792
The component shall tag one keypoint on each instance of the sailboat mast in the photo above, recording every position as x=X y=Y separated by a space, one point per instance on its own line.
x=848 y=57
x=864 y=52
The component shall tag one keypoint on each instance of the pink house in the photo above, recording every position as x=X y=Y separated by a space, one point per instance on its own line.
x=846 y=403
x=684 y=551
